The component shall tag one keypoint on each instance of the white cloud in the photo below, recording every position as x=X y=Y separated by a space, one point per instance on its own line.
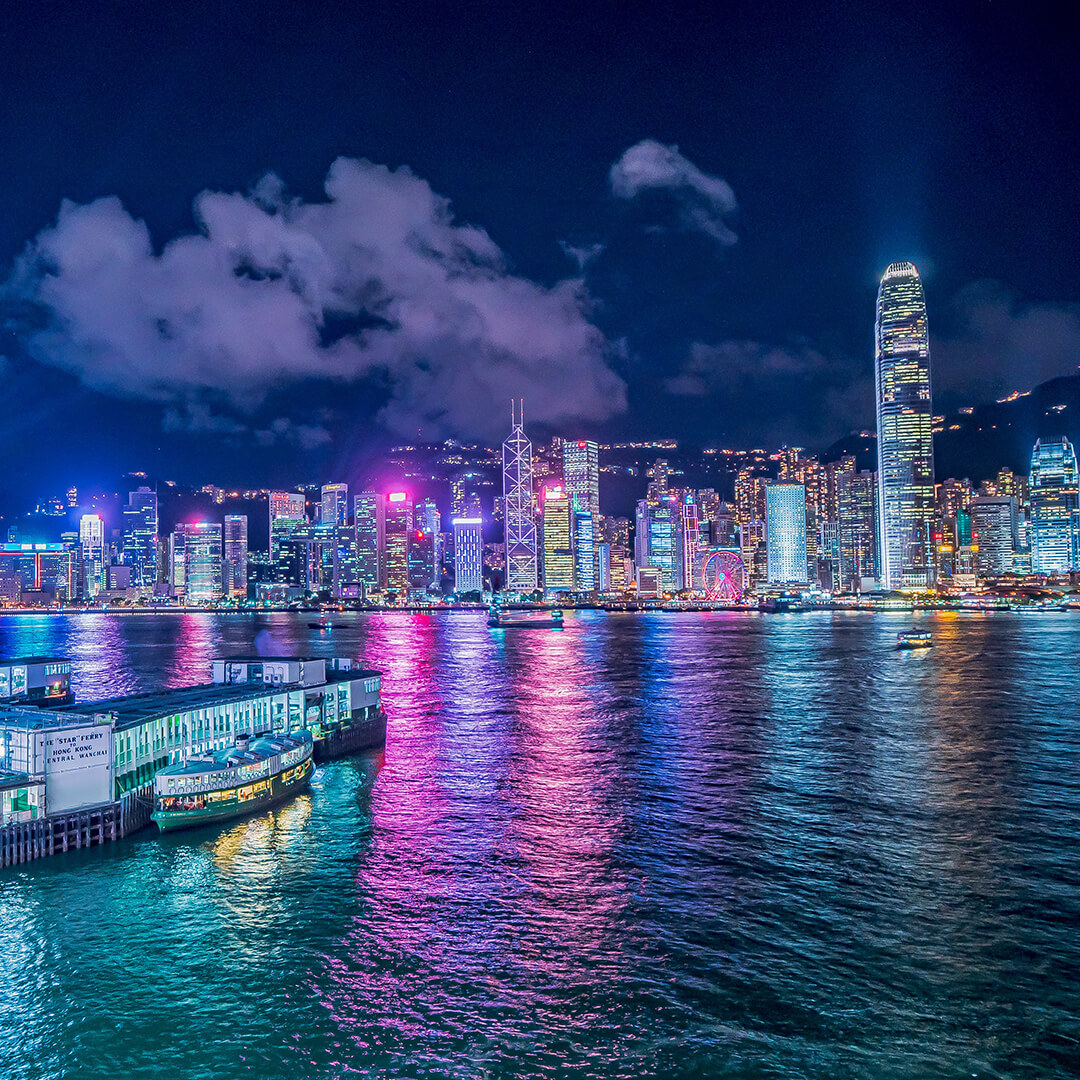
x=704 y=201
x=378 y=283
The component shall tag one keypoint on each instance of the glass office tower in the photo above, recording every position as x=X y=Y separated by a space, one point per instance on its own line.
x=1055 y=507
x=904 y=429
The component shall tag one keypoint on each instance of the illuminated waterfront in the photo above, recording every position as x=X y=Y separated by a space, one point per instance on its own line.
x=664 y=844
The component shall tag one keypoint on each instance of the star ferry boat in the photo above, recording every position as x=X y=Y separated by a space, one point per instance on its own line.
x=258 y=771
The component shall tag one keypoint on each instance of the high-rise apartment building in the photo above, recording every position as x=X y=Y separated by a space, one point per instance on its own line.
x=521 y=545
x=468 y=555
x=1055 y=507
x=201 y=547
x=558 y=542
x=584 y=547
x=857 y=530
x=288 y=515
x=236 y=556
x=369 y=517
x=581 y=473
x=994 y=523
x=904 y=428
x=141 y=537
x=334 y=506
x=95 y=563
x=399 y=529
x=785 y=533
x=658 y=540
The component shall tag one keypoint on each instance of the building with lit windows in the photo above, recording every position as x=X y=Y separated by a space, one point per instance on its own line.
x=584 y=548
x=658 y=540
x=519 y=508
x=94 y=561
x=857 y=530
x=203 y=556
x=558 y=542
x=399 y=530
x=288 y=515
x=236 y=556
x=994 y=521
x=39 y=574
x=1054 y=530
x=334 y=505
x=904 y=429
x=581 y=473
x=468 y=555
x=785 y=533
x=141 y=537
x=369 y=518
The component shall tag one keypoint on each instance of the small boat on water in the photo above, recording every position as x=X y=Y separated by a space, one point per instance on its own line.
x=256 y=772
x=524 y=620
x=914 y=639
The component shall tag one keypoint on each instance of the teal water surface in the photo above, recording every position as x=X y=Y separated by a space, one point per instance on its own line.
x=686 y=845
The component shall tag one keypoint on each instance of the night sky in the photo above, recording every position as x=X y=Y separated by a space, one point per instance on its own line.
x=295 y=232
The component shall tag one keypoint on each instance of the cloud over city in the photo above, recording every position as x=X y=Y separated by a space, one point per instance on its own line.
x=702 y=201
x=378 y=284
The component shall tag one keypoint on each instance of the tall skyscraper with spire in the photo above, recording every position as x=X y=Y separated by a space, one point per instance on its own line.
x=518 y=499
x=904 y=428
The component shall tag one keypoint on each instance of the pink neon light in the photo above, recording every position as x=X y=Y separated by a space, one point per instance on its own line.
x=398 y=496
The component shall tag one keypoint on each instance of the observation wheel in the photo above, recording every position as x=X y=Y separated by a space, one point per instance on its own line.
x=724 y=576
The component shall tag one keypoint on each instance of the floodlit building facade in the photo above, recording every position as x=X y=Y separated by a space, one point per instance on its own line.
x=236 y=555
x=904 y=429
x=369 y=516
x=558 y=542
x=785 y=533
x=468 y=555
x=581 y=473
x=1055 y=507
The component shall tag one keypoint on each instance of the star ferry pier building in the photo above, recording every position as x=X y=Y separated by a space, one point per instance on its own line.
x=79 y=777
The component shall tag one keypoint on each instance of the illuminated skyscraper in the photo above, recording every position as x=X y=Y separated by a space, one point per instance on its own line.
x=92 y=541
x=904 y=423
x=1055 y=507
x=288 y=517
x=584 y=548
x=399 y=528
x=468 y=555
x=785 y=533
x=857 y=529
x=994 y=521
x=658 y=539
x=521 y=546
x=581 y=473
x=558 y=542
x=369 y=514
x=141 y=537
x=202 y=555
x=236 y=555
x=335 y=504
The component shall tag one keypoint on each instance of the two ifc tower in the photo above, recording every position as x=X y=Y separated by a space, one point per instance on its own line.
x=905 y=447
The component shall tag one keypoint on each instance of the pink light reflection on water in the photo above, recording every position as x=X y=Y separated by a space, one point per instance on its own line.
x=490 y=876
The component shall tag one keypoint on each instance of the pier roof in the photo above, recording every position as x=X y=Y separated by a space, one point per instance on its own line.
x=133 y=709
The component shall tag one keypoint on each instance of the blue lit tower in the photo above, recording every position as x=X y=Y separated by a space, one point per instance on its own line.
x=521 y=546
x=904 y=428
x=785 y=533
x=1055 y=507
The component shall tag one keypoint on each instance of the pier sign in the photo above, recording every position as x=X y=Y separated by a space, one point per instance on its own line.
x=78 y=767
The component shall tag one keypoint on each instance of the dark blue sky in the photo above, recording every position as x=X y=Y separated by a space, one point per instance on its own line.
x=849 y=136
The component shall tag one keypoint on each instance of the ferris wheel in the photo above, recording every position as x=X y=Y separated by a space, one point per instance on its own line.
x=724 y=576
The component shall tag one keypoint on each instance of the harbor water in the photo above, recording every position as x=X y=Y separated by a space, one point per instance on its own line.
x=673 y=845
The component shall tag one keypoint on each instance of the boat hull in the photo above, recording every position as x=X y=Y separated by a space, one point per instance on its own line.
x=171 y=820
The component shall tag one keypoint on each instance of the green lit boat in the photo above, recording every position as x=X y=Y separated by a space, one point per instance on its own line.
x=256 y=772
